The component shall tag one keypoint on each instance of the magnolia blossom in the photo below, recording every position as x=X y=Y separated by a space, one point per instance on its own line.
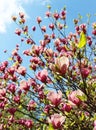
x=46 y=109
x=54 y=97
x=12 y=110
x=24 y=85
x=61 y=64
x=3 y=92
x=94 y=125
x=21 y=70
x=16 y=99
x=56 y=120
x=42 y=75
x=74 y=97
x=26 y=122
x=31 y=105
x=11 y=88
x=18 y=32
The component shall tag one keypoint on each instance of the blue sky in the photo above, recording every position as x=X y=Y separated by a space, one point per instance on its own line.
x=34 y=8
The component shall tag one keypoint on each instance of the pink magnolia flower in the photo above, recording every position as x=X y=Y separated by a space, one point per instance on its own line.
x=27 y=52
x=56 y=120
x=21 y=14
x=47 y=109
x=11 y=70
x=16 y=99
x=49 y=52
x=21 y=70
x=35 y=60
x=29 y=41
x=32 y=82
x=3 y=92
x=15 y=52
x=31 y=105
x=12 y=88
x=42 y=75
x=57 y=42
x=94 y=32
x=5 y=63
x=28 y=123
x=61 y=64
x=94 y=125
x=94 y=128
x=54 y=97
x=18 y=32
x=36 y=49
x=73 y=97
x=2 y=105
x=1 y=126
x=24 y=85
x=43 y=28
x=11 y=120
x=12 y=110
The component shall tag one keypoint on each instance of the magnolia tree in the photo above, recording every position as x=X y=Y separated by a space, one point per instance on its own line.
x=59 y=91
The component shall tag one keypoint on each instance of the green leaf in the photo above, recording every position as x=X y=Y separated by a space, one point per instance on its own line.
x=80 y=17
x=83 y=40
x=72 y=123
x=49 y=7
x=83 y=97
x=50 y=127
x=10 y=59
x=44 y=127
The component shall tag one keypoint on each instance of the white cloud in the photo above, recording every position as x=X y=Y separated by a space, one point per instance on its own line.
x=10 y=7
x=7 y=9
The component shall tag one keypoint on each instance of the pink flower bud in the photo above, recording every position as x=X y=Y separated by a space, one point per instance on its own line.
x=85 y=72
x=51 y=26
x=43 y=28
x=48 y=14
x=21 y=14
x=39 y=20
x=33 y=28
x=94 y=32
x=67 y=107
x=56 y=16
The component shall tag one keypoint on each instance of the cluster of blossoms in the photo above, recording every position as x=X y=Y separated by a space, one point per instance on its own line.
x=58 y=93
